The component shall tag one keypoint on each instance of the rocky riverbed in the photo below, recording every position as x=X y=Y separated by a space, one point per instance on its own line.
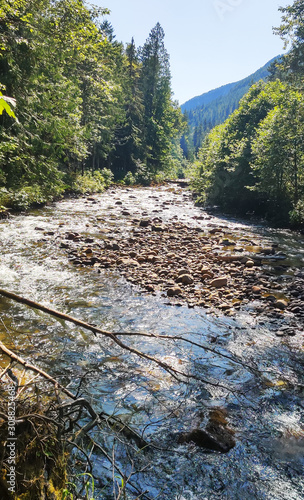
x=149 y=260
x=198 y=263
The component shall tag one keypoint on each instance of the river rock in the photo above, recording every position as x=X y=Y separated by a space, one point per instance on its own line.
x=127 y=262
x=185 y=279
x=173 y=291
x=144 y=222
x=249 y=263
x=183 y=271
x=219 y=282
x=157 y=228
x=216 y=438
x=281 y=304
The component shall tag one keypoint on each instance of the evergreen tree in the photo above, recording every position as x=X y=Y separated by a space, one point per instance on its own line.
x=292 y=32
x=129 y=134
x=162 y=117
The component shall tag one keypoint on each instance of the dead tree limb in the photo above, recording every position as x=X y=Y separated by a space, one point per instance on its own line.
x=165 y=366
x=35 y=369
x=112 y=421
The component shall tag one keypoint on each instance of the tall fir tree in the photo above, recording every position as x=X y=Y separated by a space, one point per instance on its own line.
x=129 y=134
x=162 y=117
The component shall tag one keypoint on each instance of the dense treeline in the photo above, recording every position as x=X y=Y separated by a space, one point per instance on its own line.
x=84 y=103
x=255 y=160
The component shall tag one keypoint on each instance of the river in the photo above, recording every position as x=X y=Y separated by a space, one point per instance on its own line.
x=261 y=394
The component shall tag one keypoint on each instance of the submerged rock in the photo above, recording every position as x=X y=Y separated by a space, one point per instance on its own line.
x=216 y=438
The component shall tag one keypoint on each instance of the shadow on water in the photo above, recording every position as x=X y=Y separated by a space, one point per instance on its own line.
x=260 y=387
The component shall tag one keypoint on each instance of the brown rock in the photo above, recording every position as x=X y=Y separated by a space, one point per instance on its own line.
x=217 y=438
x=172 y=292
x=281 y=304
x=183 y=271
x=224 y=306
x=127 y=262
x=219 y=282
x=157 y=228
x=206 y=276
x=249 y=263
x=186 y=279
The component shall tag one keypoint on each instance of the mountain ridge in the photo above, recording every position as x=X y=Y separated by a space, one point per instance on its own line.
x=212 y=108
x=212 y=95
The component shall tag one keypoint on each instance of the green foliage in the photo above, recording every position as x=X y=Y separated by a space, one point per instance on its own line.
x=206 y=111
x=255 y=160
x=83 y=102
x=28 y=196
x=297 y=215
x=6 y=104
x=129 y=179
x=278 y=150
x=87 y=183
x=291 y=31
x=162 y=117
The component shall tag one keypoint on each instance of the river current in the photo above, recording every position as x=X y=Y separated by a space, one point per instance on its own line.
x=261 y=393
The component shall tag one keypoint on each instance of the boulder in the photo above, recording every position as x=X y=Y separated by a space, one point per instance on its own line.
x=185 y=279
x=173 y=291
x=217 y=438
x=281 y=304
x=144 y=223
x=219 y=282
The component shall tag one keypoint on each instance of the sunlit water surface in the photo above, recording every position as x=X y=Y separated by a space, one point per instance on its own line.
x=265 y=412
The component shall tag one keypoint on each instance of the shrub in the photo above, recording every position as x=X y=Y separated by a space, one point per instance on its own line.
x=296 y=216
x=129 y=179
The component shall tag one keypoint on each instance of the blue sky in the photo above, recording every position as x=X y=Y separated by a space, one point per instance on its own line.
x=210 y=42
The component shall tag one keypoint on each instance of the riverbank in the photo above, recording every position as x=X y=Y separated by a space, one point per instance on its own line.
x=199 y=264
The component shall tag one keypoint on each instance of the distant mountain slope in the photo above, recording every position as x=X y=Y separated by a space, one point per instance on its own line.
x=209 y=109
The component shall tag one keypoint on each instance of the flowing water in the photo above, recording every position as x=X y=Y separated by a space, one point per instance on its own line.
x=265 y=410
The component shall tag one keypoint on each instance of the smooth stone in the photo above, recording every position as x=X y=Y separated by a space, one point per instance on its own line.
x=281 y=304
x=219 y=282
x=185 y=279
x=144 y=223
x=172 y=292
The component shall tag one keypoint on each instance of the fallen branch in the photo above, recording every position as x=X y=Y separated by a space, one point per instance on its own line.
x=112 y=421
x=113 y=336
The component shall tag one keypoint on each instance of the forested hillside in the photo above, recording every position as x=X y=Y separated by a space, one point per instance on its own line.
x=212 y=108
x=255 y=160
x=84 y=103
